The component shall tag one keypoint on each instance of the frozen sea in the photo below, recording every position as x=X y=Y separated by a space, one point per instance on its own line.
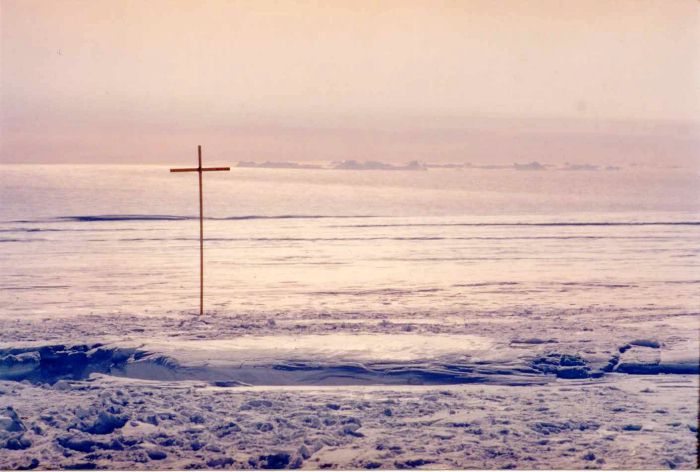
x=77 y=240
x=356 y=319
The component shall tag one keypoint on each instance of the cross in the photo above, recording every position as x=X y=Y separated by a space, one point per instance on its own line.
x=200 y=169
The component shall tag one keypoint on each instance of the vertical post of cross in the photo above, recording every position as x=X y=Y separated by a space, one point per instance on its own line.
x=201 y=233
x=199 y=169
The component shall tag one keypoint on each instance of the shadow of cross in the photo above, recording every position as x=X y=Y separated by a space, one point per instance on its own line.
x=199 y=169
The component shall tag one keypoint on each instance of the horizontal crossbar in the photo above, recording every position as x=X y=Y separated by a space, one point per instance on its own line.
x=197 y=169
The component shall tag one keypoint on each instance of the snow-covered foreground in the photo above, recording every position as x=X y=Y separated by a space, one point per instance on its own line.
x=577 y=388
x=631 y=422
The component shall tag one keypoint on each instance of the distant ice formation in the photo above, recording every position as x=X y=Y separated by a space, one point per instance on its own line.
x=376 y=165
x=534 y=165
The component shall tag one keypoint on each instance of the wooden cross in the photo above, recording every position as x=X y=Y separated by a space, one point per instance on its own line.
x=200 y=169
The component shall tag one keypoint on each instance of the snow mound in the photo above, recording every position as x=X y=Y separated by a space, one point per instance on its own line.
x=336 y=359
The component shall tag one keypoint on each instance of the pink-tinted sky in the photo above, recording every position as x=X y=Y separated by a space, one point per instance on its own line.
x=146 y=81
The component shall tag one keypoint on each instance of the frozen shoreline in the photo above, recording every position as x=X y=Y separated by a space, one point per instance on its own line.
x=344 y=359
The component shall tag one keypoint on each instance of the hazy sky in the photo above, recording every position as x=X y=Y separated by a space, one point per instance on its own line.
x=146 y=81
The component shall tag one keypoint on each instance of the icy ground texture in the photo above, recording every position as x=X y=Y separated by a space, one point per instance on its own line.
x=529 y=388
x=625 y=421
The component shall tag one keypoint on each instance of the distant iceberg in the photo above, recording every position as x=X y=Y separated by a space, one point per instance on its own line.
x=376 y=165
x=534 y=165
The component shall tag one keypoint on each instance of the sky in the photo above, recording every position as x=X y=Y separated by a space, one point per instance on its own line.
x=122 y=81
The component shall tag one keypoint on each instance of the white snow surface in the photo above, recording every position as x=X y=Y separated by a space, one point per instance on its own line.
x=545 y=389
x=350 y=347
